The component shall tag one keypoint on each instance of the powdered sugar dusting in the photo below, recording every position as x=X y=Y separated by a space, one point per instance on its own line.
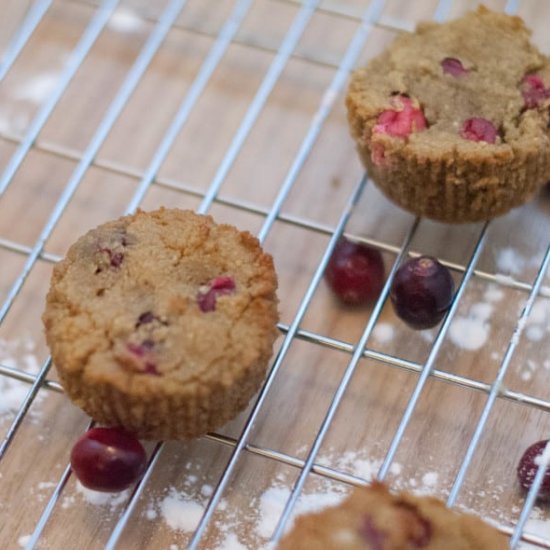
x=180 y=513
x=37 y=89
x=383 y=332
x=23 y=540
x=471 y=331
x=125 y=20
x=17 y=354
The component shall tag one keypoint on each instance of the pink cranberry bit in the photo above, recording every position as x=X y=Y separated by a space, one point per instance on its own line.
x=479 y=129
x=143 y=357
x=534 y=91
x=401 y=122
x=453 y=66
x=372 y=535
x=220 y=286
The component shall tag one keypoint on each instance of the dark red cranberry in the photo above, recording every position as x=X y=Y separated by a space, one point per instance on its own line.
x=422 y=292
x=372 y=535
x=479 y=129
x=453 y=66
x=115 y=258
x=527 y=470
x=534 y=91
x=355 y=272
x=108 y=459
x=145 y=318
x=220 y=286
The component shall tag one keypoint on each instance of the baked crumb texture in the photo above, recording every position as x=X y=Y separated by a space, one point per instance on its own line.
x=452 y=121
x=373 y=519
x=162 y=322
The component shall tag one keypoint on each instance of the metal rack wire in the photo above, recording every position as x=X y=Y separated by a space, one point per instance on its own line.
x=371 y=17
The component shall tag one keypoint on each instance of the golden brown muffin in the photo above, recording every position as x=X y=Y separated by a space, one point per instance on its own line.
x=374 y=519
x=452 y=121
x=162 y=322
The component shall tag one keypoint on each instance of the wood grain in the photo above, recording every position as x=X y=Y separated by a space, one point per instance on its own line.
x=364 y=425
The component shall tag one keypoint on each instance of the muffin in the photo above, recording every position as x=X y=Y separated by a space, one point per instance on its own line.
x=452 y=121
x=373 y=519
x=162 y=322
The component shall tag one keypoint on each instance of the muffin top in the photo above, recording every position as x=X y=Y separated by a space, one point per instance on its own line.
x=372 y=518
x=462 y=85
x=161 y=299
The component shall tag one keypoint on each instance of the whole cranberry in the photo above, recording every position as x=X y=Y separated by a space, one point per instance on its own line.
x=108 y=459
x=527 y=470
x=422 y=292
x=355 y=272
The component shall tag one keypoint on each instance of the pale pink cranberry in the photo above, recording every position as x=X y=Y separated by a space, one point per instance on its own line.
x=219 y=286
x=142 y=352
x=534 y=91
x=453 y=66
x=399 y=122
x=479 y=129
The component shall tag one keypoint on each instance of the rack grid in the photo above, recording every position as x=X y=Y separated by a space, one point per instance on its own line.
x=366 y=18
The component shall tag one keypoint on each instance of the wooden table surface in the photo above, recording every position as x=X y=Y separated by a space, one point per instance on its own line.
x=364 y=425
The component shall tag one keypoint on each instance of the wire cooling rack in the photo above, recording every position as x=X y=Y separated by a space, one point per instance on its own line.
x=269 y=78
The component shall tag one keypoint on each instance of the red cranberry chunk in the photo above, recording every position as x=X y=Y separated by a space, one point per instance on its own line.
x=479 y=129
x=115 y=258
x=453 y=66
x=108 y=459
x=421 y=528
x=400 y=122
x=355 y=272
x=534 y=91
x=219 y=286
x=143 y=360
x=422 y=292
x=527 y=470
x=372 y=535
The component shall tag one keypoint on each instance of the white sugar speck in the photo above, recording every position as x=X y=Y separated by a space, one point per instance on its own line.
x=383 y=332
x=180 y=513
x=493 y=293
x=469 y=333
x=273 y=500
x=125 y=20
x=98 y=498
x=231 y=542
x=23 y=540
x=510 y=261
x=14 y=354
x=207 y=490
x=429 y=479
x=37 y=89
